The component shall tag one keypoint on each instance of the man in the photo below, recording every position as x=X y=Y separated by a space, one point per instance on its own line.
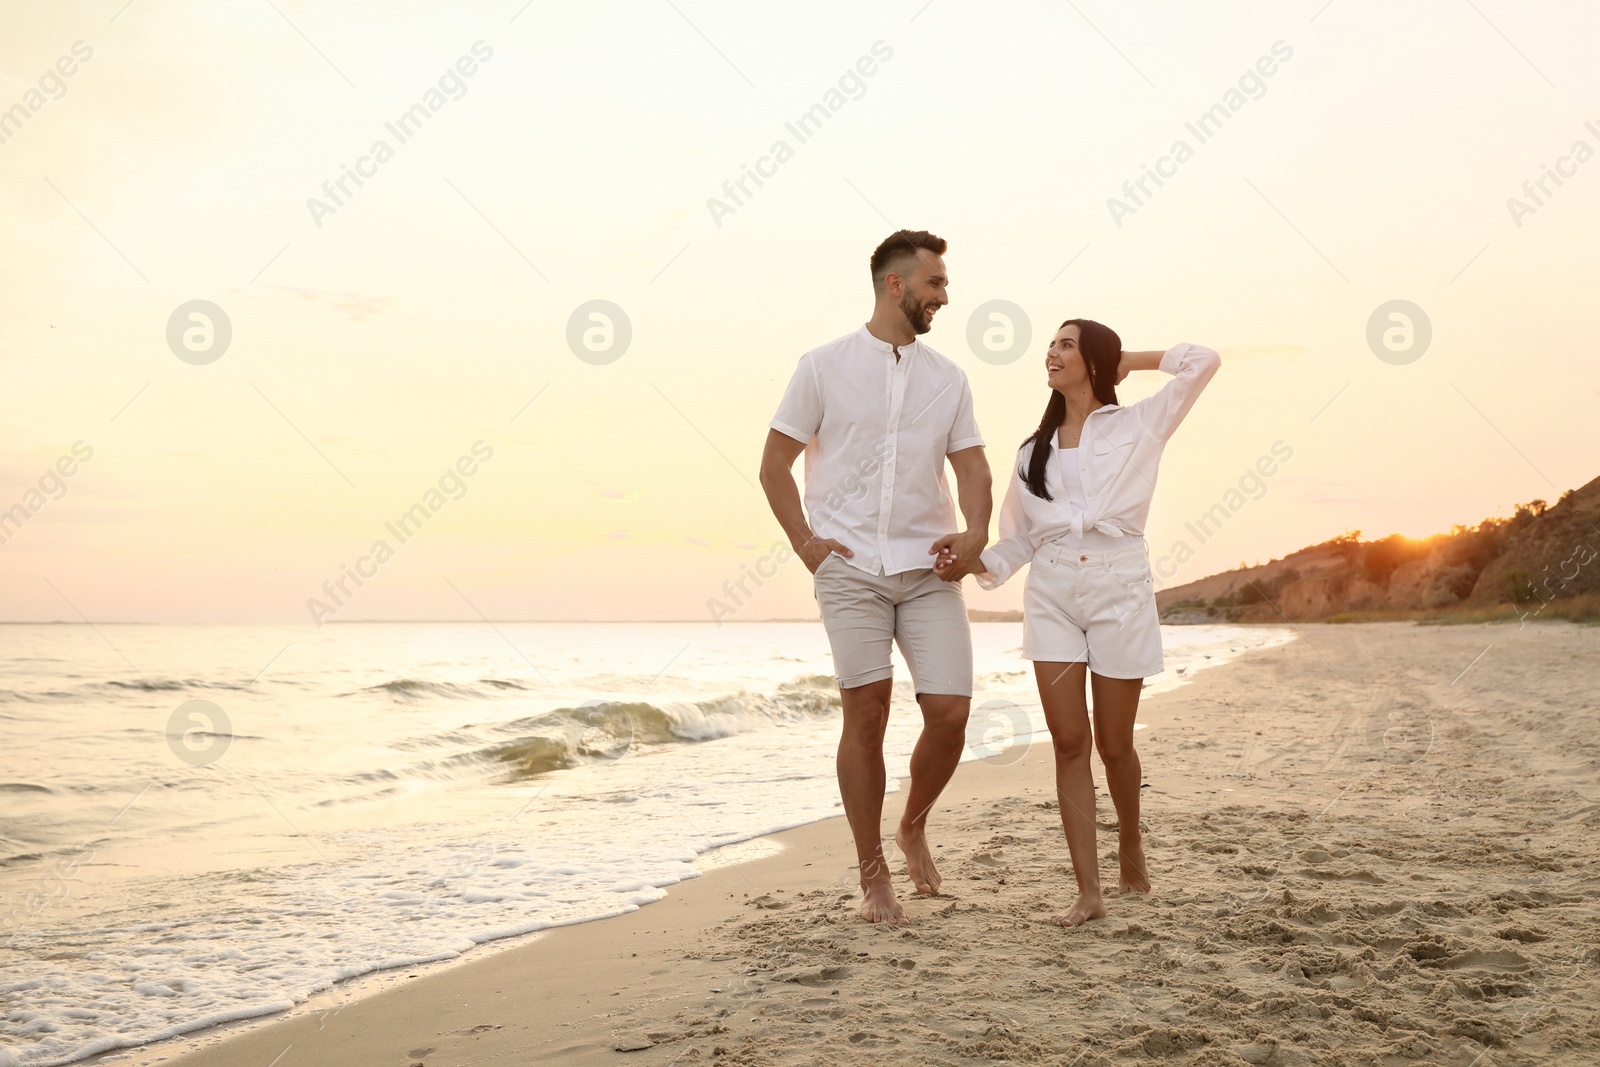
x=877 y=412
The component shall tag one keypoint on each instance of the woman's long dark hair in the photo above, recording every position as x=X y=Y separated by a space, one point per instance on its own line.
x=1101 y=350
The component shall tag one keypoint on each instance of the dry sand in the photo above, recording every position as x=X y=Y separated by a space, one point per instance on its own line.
x=1375 y=845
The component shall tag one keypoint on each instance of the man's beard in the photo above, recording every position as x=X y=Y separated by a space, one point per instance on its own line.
x=913 y=310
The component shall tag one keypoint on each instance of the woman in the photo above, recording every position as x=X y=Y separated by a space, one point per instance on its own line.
x=1076 y=508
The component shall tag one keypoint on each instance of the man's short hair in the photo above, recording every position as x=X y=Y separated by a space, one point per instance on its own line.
x=899 y=250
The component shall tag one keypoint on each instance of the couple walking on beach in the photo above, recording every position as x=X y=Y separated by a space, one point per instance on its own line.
x=877 y=413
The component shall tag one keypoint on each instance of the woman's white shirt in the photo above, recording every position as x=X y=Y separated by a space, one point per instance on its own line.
x=1064 y=469
x=1117 y=457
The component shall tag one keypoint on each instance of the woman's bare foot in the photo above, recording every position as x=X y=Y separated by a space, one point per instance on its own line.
x=919 y=861
x=1088 y=906
x=1135 y=876
x=880 y=905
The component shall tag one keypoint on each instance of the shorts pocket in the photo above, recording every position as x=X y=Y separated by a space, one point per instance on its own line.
x=829 y=558
x=1132 y=569
x=1129 y=591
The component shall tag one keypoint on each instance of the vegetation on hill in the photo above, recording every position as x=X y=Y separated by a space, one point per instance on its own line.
x=1541 y=562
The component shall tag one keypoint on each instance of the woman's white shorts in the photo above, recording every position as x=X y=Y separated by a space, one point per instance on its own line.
x=1097 y=607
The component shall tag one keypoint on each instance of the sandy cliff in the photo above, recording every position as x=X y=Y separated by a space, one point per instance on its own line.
x=1539 y=555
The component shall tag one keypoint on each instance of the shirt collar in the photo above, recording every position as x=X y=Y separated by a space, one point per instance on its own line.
x=874 y=342
x=1054 y=443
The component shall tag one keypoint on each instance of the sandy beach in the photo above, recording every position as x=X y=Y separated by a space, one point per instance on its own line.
x=1371 y=845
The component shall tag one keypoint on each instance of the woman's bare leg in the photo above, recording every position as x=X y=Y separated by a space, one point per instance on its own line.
x=1066 y=711
x=1116 y=702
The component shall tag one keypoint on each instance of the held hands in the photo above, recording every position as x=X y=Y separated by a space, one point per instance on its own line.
x=958 y=555
x=814 y=551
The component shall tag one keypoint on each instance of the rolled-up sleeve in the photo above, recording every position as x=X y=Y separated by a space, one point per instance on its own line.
x=800 y=411
x=1016 y=546
x=964 y=428
x=1191 y=367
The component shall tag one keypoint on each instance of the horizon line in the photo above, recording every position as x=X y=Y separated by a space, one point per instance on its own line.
x=413 y=622
x=361 y=622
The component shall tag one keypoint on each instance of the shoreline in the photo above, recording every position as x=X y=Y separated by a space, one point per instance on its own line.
x=1338 y=832
x=329 y=1003
x=237 y=946
x=822 y=842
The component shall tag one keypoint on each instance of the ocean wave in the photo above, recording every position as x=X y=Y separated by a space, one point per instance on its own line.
x=502 y=683
x=417 y=688
x=117 y=686
x=13 y=696
x=604 y=730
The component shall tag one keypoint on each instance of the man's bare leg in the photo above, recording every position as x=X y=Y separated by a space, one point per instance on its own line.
x=1066 y=711
x=861 y=784
x=933 y=761
x=1116 y=701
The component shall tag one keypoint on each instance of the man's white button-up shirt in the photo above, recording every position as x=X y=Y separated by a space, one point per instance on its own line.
x=877 y=429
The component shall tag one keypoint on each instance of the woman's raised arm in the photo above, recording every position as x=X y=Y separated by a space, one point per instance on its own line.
x=1191 y=367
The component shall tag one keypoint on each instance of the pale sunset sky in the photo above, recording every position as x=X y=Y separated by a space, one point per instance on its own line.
x=377 y=339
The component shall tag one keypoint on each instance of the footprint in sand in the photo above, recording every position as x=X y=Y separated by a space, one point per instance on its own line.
x=1427 y=948
x=812 y=976
x=1487 y=961
x=1359 y=875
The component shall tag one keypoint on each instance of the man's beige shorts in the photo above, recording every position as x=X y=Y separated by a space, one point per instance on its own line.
x=925 y=615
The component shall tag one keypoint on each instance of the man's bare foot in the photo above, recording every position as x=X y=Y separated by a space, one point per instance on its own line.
x=1135 y=875
x=1087 y=906
x=919 y=861
x=880 y=905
